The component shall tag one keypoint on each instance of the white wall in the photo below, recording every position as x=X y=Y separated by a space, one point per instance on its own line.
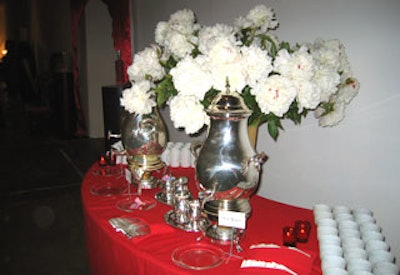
x=100 y=57
x=355 y=163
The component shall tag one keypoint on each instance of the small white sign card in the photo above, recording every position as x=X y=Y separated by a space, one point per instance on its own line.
x=232 y=219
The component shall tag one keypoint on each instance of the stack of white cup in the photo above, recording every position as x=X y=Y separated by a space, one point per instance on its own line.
x=351 y=242
x=178 y=154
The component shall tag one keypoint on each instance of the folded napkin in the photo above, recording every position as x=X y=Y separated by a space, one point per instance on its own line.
x=278 y=260
x=137 y=229
x=130 y=227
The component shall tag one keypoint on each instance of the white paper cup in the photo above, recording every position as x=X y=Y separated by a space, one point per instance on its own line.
x=365 y=227
x=341 y=209
x=372 y=235
x=355 y=253
x=166 y=155
x=349 y=233
x=364 y=218
x=385 y=268
x=334 y=271
x=360 y=272
x=179 y=144
x=358 y=265
x=175 y=157
x=344 y=217
x=349 y=224
x=326 y=230
x=329 y=239
x=322 y=207
x=322 y=215
x=349 y=243
x=379 y=256
x=362 y=210
x=373 y=245
x=330 y=249
x=185 y=157
x=326 y=222
x=333 y=261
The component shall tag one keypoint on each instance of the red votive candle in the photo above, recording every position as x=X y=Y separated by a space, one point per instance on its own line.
x=302 y=229
x=102 y=161
x=289 y=236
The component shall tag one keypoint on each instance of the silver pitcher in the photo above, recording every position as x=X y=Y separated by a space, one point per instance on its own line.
x=227 y=166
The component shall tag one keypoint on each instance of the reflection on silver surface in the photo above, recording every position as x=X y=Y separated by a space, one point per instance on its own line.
x=192 y=226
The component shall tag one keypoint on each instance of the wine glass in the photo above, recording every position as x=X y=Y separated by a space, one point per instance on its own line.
x=135 y=201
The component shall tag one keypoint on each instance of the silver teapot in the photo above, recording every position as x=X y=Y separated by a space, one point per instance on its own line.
x=227 y=166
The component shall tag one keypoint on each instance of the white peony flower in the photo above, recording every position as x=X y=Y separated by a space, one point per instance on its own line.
x=199 y=59
x=191 y=78
x=146 y=65
x=308 y=96
x=256 y=63
x=188 y=113
x=349 y=90
x=225 y=63
x=161 y=31
x=183 y=21
x=242 y=23
x=209 y=36
x=274 y=94
x=178 y=44
x=138 y=99
x=332 y=118
x=326 y=81
x=233 y=73
x=224 y=52
x=262 y=17
x=328 y=53
x=345 y=69
x=177 y=35
x=298 y=65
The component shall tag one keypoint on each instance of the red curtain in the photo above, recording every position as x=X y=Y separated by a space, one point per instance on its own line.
x=121 y=25
x=119 y=12
x=77 y=9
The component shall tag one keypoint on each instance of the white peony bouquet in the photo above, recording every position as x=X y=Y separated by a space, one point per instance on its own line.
x=190 y=63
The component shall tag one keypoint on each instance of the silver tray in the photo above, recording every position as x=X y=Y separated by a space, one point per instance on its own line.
x=162 y=197
x=201 y=225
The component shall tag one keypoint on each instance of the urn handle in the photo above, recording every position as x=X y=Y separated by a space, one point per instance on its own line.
x=111 y=135
x=258 y=160
x=195 y=148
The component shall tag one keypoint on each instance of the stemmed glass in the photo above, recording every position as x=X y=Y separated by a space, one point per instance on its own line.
x=137 y=174
x=109 y=183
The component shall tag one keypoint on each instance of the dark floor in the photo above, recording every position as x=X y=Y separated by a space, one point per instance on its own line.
x=41 y=222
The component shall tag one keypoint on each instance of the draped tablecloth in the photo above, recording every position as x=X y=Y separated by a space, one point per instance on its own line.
x=110 y=252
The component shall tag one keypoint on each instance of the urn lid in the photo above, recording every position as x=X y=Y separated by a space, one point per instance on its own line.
x=228 y=104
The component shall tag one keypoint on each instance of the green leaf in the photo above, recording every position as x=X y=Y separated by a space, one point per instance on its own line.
x=164 y=90
x=169 y=64
x=273 y=50
x=273 y=130
x=293 y=113
x=285 y=45
x=209 y=96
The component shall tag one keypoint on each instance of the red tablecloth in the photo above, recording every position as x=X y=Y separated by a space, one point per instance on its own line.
x=111 y=252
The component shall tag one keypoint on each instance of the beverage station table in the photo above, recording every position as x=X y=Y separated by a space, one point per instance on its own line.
x=111 y=252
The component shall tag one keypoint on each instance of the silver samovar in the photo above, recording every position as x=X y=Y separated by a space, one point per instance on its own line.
x=227 y=166
x=144 y=138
